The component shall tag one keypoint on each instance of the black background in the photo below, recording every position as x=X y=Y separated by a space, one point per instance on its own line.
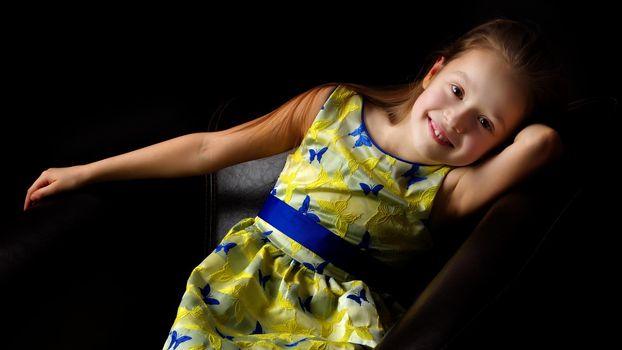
x=149 y=74
x=66 y=71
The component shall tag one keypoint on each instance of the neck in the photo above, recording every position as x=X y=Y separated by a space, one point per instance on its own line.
x=390 y=137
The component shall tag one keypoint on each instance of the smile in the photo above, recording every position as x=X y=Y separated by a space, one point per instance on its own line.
x=438 y=134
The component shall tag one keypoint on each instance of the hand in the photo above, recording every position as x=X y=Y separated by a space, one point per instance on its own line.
x=55 y=180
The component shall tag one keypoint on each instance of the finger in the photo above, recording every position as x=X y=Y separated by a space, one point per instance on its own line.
x=28 y=194
x=42 y=181
x=27 y=199
x=38 y=194
x=28 y=204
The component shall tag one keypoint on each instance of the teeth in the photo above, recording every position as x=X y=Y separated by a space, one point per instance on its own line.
x=440 y=137
x=438 y=134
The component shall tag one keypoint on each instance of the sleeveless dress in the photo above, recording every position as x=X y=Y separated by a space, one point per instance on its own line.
x=280 y=280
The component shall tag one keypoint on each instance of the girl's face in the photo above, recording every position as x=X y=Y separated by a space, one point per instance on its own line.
x=468 y=107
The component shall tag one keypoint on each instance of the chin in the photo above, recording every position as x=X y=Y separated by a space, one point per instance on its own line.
x=460 y=162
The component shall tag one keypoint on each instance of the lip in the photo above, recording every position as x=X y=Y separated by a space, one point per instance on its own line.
x=432 y=127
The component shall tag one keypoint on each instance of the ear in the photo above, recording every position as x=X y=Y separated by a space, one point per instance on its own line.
x=440 y=62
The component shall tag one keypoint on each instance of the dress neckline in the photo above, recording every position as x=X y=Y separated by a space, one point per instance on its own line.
x=374 y=142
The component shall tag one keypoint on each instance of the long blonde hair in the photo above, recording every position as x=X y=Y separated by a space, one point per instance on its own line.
x=520 y=45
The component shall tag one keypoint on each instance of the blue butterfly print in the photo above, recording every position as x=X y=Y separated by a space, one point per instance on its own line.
x=295 y=343
x=305 y=305
x=319 y=268
x=263 y=279
x=258 y=329
x=411 y=174
x=365 y=241
x=205 y=291
x=176 y=340
x=225 y=246
x=230 y=337
x=266 y=234
x=273 y=192
x=359 y=297
x=366 y=188
x=304 y=209
x=317 y=154
x=363 y=139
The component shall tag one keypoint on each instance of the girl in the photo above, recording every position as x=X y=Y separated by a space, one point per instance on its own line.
x=370 y=166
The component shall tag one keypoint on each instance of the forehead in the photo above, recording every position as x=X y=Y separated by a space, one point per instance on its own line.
x=490 y=83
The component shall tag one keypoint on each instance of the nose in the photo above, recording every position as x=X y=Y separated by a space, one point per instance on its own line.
x=456 y=119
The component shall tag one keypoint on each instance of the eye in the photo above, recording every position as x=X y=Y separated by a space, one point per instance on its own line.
x=485 y=123
x=456 y=90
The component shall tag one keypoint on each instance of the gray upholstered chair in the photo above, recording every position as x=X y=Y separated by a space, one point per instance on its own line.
x=474 y=262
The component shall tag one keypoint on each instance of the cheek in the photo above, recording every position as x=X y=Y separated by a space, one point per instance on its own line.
x=432 y=98
x=475 y=147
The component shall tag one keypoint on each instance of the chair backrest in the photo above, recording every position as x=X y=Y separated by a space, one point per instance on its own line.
x=238 y=191
x=241 y=190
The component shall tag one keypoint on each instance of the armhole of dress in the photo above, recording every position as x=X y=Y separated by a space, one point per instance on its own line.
x=295 y=149
x=331 y=94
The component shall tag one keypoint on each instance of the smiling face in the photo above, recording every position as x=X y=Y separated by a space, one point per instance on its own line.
x=468 y=107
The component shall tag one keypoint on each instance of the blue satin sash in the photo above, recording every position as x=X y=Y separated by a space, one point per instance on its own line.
x=312 y=235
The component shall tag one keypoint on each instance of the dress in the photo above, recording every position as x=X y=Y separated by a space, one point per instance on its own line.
x=274 y=280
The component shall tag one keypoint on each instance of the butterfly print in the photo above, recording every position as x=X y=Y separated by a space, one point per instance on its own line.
x=205 y=291
x=411 y=174
x=359 y=297
x=176 y=340
x=375 y=189
x=304 y=209
x=363 y=139
x=258 y=329
x=305 y=305
x=317 y=154
x=225 y=246
x=319 y=268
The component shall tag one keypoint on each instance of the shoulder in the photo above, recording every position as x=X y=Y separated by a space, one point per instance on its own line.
x=275 y=132
x=309 y=104
x=444 y=207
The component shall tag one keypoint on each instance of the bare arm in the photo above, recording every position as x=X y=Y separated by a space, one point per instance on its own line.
x=467 y=189
x=197 y=153
x=176 y=157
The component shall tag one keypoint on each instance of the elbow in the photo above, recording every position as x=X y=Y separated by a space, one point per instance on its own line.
x=550 y=145
x=543 y=142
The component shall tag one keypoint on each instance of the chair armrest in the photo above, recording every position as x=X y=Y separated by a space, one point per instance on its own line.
x=486 y=263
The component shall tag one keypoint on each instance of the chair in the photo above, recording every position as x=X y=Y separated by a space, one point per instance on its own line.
x=87 y=248
x=474 y=264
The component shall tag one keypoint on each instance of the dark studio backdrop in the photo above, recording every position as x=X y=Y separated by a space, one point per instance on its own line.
x=98 y=83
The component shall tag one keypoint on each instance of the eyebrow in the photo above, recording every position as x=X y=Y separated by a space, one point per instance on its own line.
x=465 y=77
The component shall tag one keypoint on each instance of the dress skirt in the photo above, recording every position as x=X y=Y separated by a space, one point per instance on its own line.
x=249 y=294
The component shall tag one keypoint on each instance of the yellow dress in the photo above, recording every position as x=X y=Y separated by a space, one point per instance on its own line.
x=282 y=280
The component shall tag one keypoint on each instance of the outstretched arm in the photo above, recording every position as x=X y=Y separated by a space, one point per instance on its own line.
x=196 y=153
x=469 y=188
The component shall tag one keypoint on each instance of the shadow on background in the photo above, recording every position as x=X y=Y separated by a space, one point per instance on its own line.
x=85 y=88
